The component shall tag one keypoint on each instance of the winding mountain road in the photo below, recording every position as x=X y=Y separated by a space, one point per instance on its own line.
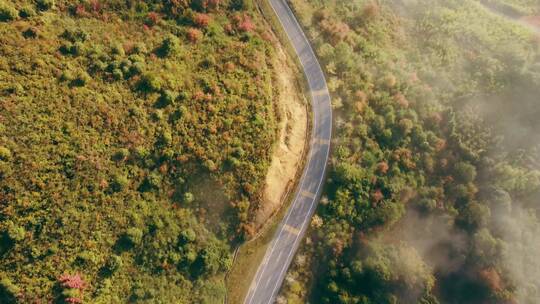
x=278 y=257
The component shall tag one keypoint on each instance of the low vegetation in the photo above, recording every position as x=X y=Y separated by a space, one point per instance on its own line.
x=126 y=129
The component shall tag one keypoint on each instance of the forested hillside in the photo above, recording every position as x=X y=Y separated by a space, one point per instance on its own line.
x=134 y=140
x=434 y=187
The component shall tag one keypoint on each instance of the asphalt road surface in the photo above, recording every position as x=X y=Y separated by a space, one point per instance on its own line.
x=278 y=257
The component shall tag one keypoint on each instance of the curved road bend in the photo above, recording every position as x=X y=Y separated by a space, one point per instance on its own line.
x=279 y=254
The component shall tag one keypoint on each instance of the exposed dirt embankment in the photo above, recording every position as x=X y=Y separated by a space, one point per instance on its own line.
x=288 y=153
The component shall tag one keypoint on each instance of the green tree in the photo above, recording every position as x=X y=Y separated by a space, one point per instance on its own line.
x=474 y=216
x=465 y=172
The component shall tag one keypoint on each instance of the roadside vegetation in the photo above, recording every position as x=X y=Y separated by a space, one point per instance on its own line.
x=135 y=137
x=434 y=184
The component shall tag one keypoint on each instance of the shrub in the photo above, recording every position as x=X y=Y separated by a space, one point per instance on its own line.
x=240 y=5
x=170 y=46
x=65 y=48
x=377 y=196
x=66 y=76
x=427 y=205
x=153 y=180
x=214 y=258
x=27 y=12
x=139 y=48
x=113 y=65
x=188 y=198
x=71 y=281
x=465 y=172
x=7 y=12
x=135 y=58
x=158 y=115
x=136 y=68
x=71 y=296
x=202 y=20
x=81 y=79
x=45 y=4
x=194 y=35
x=118 y=74
x=370 y=11
x=246 y=25
x=14 y=232
x=141 y=153
x=125 y=65
x=74 y=35
x=31 y=32
x=114 y=263
x=87 y=257
x=167 y=97
x=473 y=217
x=119 y=182
x=152 y=19
x=5 y=153
x=167 y=154
x=73 y=286
x=121 y=154
x=134 y=236
x=149 y=83
x=382 y=168
x=210 y=165
x=118 y=49
x=389 y=81
x=8 y=290
x=166 y=137
x=188 y=236
x=77 y=49
x=405 y=126
x=208 y=62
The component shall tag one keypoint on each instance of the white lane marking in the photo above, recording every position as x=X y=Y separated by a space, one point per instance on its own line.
x=257 y=281
x=258 y=275
x=270 y=279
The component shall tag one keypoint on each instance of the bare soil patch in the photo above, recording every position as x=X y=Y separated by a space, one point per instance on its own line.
x=289 y=150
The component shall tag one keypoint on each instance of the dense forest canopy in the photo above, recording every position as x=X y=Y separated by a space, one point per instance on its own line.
x=433 y=195
x=134 y=140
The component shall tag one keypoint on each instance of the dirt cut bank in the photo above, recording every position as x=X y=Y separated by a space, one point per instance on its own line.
x=289 y=150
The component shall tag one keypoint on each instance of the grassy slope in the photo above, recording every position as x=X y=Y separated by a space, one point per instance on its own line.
x=107 y=140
